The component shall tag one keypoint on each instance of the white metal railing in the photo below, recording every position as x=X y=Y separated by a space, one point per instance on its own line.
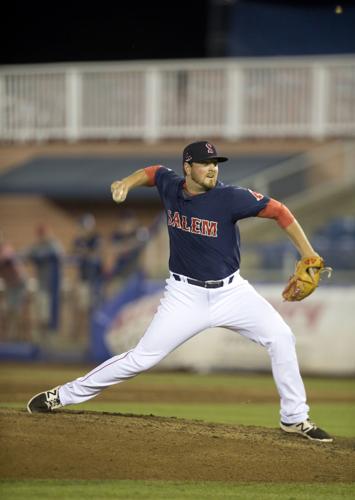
x=224 y=98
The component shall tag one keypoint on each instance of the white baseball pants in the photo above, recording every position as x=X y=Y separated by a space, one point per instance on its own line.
x=186 y=310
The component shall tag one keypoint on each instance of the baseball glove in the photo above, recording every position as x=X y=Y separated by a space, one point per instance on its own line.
x=305 y=278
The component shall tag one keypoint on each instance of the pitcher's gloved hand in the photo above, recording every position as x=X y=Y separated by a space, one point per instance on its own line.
x=305 y=278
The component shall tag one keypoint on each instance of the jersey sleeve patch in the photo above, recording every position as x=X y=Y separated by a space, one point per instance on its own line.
x=257 y=196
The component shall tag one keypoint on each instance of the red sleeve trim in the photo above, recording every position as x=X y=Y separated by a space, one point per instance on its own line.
x=276 y=210
x=151 y=172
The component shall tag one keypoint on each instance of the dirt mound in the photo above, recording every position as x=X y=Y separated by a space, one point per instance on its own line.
x=93 y=445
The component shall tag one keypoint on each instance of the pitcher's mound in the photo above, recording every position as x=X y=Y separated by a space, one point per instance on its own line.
x=95 y=445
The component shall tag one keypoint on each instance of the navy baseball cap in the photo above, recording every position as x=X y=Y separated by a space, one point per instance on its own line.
x=201 y=151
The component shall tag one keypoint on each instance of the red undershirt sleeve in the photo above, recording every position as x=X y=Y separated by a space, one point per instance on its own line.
x=276 y=210
x=151 y=171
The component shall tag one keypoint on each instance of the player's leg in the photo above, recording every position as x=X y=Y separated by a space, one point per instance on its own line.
x=252 y=316
x=242 y=309
x=182 y=313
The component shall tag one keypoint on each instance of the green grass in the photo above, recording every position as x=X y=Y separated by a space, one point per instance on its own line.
x=337 y=418
x=167 y=490
x=63 y=374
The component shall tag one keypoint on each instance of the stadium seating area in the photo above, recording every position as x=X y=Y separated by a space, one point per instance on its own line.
x=335 y=241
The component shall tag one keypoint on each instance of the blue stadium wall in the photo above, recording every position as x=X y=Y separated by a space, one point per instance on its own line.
x=290 y=28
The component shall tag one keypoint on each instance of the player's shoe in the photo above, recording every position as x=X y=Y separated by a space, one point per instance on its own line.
x=45 y=402
x=307 y=429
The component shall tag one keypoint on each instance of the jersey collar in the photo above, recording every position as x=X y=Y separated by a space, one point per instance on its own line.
x=186 y=195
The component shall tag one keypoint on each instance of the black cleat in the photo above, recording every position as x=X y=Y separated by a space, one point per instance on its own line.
x=307 y=429
x=45 y=402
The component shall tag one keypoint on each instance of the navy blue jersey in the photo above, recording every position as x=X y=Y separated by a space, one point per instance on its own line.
x=203 y=232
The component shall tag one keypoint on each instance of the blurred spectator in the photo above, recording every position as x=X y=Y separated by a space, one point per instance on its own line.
x=46 y=254
x=338 y=227
x=13 y=287
x=127 y=241
x=87 y=250
x=335 y=241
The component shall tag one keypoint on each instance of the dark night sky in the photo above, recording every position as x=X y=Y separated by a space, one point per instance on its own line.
x=108 y=31
x=38 y=32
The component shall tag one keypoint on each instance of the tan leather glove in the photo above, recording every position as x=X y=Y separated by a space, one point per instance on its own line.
x=305 y=278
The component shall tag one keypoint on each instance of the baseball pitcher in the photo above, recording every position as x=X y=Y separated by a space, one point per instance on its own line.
x=205 y=288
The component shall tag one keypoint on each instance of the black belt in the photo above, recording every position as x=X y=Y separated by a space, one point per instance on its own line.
x=204 y=284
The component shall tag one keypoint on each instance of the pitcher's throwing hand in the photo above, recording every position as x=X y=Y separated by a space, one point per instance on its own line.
x=119 y=190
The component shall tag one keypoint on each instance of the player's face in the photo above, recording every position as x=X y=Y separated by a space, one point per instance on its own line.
x=204 y=174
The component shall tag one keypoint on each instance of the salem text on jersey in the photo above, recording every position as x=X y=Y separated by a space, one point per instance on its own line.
x=193 y=224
